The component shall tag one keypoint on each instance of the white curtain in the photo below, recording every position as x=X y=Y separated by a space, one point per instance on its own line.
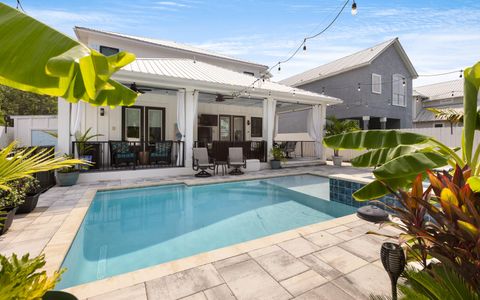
x=315 y=129
x=195 y=108
x=272 y=117
x=76 y=118
x=180 y=134
x=264 y=119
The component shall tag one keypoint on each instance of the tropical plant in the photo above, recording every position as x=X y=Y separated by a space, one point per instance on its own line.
x=335 y=126
x=403 y=155
x=20 y=278
x=23 y=163
x=56 y=65
x=441 y=222
x=82 y=140
x=14 y=196
x=69 y=168
x=277 y=153
x=436 y=283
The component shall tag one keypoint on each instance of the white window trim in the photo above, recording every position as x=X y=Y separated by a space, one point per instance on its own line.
x=396 y=81
x=377 y=88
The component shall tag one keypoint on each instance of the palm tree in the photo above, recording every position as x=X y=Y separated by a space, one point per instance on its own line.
x=335 y=126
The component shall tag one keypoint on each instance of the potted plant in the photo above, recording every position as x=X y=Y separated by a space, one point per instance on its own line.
x=278 y=157
x=335 y=126
x=20 y=278
x=10 y=199
x=87 y=151
x=31 y=187
x=67 y=176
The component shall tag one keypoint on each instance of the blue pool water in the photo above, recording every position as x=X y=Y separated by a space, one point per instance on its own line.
x=127 y=230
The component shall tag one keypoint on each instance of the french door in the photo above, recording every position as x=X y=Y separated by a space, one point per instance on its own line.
x=232 y=128
x=142 y=123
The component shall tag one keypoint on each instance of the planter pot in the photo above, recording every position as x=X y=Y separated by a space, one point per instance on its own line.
x=67 y=179
x=337 y=160
x=58 y=295
x=7 y=219
x=276 y=164
x=29 y=204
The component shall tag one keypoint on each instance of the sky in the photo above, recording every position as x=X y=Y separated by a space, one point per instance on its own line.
x=438 y=35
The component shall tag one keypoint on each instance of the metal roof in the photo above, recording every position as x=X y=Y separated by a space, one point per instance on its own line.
x=168 y=44
x=427 y=116
x=441 y=90
x=197 y=72
x=347 y=63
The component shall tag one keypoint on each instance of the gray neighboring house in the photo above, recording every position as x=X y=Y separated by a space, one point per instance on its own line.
x=442 y=95
x=375 y=85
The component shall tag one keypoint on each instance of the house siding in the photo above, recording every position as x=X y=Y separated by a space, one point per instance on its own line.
x=364 y=102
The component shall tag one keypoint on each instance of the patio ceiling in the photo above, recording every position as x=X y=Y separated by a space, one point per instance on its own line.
x=187 y=73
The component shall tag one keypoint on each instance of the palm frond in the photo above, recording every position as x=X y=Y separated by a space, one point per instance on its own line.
x=447 y=114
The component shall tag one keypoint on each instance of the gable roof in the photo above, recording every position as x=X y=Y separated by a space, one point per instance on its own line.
x=440 y=90
x=187 y=71
x=166 y=44
x=350 y=62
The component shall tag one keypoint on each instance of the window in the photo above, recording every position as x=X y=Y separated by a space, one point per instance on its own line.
x=438 y=125
x=249 y=73
x=107 y=51
x=256 y=127
x=399 y=86
x=376 y=83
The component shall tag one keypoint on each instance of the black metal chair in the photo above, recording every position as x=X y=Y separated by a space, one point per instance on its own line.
x=202 y=162
x=288 y=147
x=121 y=153
x=161 y=153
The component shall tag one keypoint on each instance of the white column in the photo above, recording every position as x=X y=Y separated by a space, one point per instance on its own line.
x=265 y=119
x=63 y=127
x=323 y=122
x=191 y=102
x=271 y=105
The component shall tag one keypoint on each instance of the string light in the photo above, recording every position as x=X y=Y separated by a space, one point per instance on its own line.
x=279 y=67
x=304 y=44
x=359 y=88
x=354 y=8
x=461 y=73
x=404 y=83
x=19 y=5
x=323 y=90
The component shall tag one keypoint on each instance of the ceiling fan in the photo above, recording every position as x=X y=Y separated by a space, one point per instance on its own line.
x=222 y=98
x=137 y=89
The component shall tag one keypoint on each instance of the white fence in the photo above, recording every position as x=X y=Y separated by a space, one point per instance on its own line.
x=443 y=134
x=6 y=136
x=35 y=130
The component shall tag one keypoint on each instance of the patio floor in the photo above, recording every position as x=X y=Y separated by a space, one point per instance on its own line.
x=332 y=260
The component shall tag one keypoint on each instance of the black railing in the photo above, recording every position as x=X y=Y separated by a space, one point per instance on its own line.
x=251 y=149
x=122 y=155
x=293 y=149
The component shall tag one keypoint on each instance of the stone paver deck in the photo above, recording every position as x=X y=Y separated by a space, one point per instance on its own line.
x=335 y=260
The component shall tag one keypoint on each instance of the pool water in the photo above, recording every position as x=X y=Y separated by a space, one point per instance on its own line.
x=126 y=230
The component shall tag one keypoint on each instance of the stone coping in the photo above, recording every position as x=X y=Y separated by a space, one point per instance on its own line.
x=57 y=248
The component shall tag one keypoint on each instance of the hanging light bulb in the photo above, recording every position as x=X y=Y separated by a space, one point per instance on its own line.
x=354 y=8
x=279 y=67
x=461 y=73
x=453 y=93
x=304 y=44
x=293 y=92
x=323 y=90
x=359 y=88
x=404 y=83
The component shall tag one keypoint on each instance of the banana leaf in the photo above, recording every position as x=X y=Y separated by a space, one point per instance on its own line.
x=410 y=165
x=378 y=157
x=374 y=139
x=470 y=119
x=36 y=58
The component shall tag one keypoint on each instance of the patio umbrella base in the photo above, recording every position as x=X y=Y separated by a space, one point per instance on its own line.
x=236 y=172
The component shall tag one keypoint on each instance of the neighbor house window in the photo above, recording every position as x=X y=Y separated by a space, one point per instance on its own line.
x=107 y=51
x=399 y=87
x=257 y=127
x=438 y=125
x=376 y=83
x=249 y=73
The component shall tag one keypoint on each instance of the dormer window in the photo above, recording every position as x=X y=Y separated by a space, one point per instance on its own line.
x=107 y=51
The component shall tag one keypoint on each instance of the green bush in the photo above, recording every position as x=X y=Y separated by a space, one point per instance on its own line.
x=20 y=279
x=277 y=153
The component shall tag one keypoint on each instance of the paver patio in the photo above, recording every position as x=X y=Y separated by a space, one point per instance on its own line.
x=336 y=262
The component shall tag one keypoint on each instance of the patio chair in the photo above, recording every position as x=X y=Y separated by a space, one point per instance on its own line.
x=236 y=160
x=202 y=162
x=288 y=147
x=121 y=153
x=161 y=153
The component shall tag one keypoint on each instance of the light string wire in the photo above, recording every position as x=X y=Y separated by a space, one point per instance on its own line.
x=19 y=6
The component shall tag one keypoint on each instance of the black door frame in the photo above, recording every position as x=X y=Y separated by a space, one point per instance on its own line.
x=143 y=120
x=232 y=126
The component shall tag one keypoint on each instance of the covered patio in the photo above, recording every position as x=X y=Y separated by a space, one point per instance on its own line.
x=183 y=104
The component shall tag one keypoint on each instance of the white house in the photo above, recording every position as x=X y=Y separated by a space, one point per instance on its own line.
x=187 y=100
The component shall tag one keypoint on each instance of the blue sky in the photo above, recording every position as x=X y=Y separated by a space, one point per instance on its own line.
x=437 y=35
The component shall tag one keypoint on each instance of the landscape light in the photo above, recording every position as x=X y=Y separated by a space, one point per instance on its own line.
x=354 y=8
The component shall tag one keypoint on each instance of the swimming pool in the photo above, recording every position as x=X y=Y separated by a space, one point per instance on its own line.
x=127 y=230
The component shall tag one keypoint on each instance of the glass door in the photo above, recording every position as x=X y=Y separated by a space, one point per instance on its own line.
x=225 y=128
x=238 y=128
x=132 y=128
x=155 y=124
